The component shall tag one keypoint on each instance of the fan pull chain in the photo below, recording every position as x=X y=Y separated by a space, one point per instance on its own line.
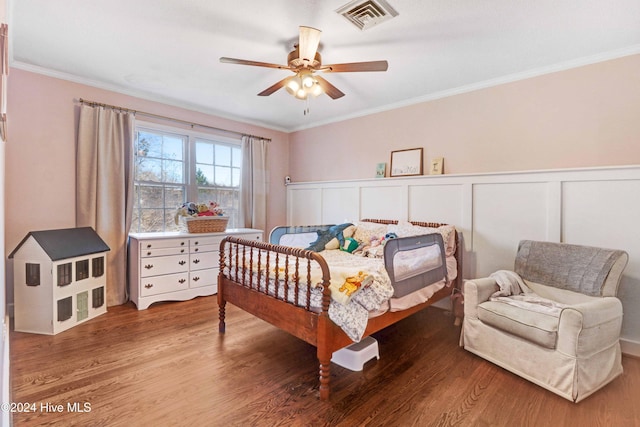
x=306 y=110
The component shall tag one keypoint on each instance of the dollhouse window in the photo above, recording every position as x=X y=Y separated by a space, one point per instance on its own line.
x=82 y=269
x=65 y=309
x=97 y=267
x=64 y=274
x=32 y=274
x=97 y=297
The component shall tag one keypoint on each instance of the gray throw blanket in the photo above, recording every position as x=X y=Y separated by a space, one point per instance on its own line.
x=574 y=267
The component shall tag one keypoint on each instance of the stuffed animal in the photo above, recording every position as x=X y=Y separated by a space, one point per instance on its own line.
x=350 y=245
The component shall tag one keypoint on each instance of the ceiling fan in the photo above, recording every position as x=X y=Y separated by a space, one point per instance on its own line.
x=304 y=61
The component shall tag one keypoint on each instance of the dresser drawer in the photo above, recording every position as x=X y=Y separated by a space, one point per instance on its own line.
x=163 y=243
x=146 y=253
x=203 y=277
x=252 y=236
x=204 y=248
x=163 y=284
x=203 y=241
x=164 y=265
x=204 y=260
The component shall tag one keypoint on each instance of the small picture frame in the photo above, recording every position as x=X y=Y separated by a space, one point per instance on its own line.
x=406 y=162
x=437 y=166
x=381 y=170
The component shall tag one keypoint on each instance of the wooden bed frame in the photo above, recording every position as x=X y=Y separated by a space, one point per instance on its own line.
x=310 y=325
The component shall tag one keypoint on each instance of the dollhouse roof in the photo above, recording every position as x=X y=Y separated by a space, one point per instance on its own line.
x=66 y=243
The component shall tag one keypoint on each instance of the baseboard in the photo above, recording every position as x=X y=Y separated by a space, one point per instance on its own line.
x=630 y=348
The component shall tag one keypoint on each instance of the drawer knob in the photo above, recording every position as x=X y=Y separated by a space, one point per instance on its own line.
x=183 y=262
x=149 y=246
x=196 y=242
x=149 y=253
x=181 y=243
x=196 y=249
x=148 y=286
x=181 y=281
x=195 y=279
x=181 y=251
x=148 y=266
x=196 y=261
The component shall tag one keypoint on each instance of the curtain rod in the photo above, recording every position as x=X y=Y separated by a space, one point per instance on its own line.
x=157 y=116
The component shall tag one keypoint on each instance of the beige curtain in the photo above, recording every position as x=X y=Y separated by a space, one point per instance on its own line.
x=254 y=183
x=104 y=187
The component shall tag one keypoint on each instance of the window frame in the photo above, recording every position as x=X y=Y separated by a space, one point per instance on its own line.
x=190 y=185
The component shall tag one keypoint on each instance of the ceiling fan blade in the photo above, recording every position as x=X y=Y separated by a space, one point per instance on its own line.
x=328 y=88
x=356 y=67
x=308 y=43
x=254 y=63
x=271 y=89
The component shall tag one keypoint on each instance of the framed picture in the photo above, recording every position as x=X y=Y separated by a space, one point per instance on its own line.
x=381 y=170
x=406 y=162
x=437 y=166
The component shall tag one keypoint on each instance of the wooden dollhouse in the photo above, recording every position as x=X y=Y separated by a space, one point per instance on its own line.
x=60 y=279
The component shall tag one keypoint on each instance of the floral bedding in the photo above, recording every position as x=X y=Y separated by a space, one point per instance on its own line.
x=351 y=315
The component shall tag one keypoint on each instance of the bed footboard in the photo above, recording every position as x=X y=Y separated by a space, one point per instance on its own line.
x=276 y=284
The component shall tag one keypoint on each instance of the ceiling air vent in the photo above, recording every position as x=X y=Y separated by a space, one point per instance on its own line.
x=364 y=14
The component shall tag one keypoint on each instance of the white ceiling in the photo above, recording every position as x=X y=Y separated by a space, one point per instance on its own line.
x=169 y=50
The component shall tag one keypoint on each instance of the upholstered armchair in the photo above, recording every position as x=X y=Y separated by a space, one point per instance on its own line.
x=555 y=320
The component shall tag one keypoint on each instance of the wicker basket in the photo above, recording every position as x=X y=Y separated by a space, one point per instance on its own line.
x=207 y=224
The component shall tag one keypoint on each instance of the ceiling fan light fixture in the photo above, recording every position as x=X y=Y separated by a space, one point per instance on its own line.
x=316 y=89
x=293 y=84
x=307 y=79
x=301 y=94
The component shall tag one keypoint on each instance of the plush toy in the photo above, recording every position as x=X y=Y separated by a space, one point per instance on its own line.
x=350 y=244
x=390 y=236
x=186 y=209
x=325 y=237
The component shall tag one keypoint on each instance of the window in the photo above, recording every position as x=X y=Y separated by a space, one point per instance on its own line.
x=97 y=297
x=64 y=274
x=97 y=267
x=82 y=269
x=65 y=309
x=175 y=166
x=32 y=274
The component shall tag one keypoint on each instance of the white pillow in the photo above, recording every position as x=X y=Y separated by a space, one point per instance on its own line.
x=366 y=230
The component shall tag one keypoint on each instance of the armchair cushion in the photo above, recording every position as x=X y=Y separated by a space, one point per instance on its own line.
x=528 y=323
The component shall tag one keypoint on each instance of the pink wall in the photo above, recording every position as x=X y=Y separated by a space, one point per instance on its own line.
x=40 y=152
x=582 y=117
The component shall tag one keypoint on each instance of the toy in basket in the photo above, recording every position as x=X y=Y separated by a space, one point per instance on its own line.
x=202 y=217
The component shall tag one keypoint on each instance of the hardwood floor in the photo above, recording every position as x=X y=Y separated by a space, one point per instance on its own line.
x=168 y=366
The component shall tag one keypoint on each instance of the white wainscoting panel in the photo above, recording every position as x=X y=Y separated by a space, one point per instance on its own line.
x=504 y=214
x=607 y=214
x=340 y=205
x=436 y=203
x=595 y=206
x=383 y=202
x=304 y=206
